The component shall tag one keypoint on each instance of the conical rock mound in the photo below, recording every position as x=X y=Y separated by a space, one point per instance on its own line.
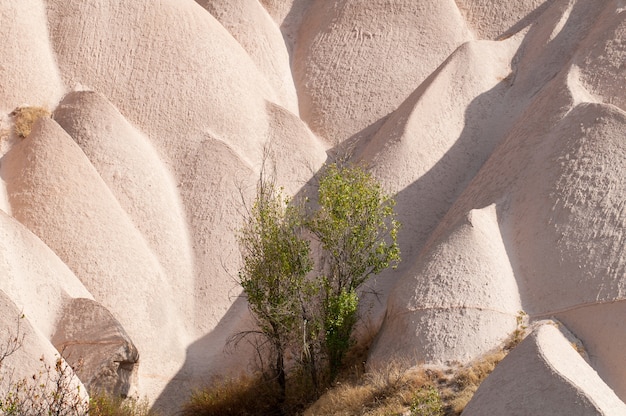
x=497 y=126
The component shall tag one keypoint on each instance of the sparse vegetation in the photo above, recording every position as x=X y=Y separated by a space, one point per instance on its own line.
x=25 y=117
x=520 y=331
x=311 y=316
x=54 y=390
x=419 y=391
x=393 y=390
x=249 y=395
x=388 y=391
x=467 y=379
x=103 y=404
x=427 y=402
x=244 y=395
x=51 y=391
x=275 y=263
x=357 y=230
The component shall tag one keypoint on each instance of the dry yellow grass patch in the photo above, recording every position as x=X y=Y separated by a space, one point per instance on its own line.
x=468 y=379
x=25 y=117
x=102 y=404
x=241 y=396
x=396 y=391
x=389 y=391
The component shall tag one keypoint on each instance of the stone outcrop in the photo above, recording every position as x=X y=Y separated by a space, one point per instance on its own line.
x=547 y=175
x=497 y=126
x=545 y=375
x=346 y=66
x=97 y=345
x=29 y=73
x=461 y=303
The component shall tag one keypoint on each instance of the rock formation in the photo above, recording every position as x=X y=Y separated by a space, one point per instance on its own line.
x=563 y=382
x=498 y=127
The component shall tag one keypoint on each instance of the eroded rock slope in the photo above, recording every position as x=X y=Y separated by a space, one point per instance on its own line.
x=498 y=126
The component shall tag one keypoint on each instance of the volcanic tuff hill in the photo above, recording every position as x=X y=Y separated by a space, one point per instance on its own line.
x=499 y=126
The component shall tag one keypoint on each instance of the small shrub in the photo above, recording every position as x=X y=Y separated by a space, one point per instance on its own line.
x=51 y=392
x=102 y=404
x=54 y=390
x=244 y=396
x=25 y=117
x=469 y=378
x=520 y=331
x=427 y=402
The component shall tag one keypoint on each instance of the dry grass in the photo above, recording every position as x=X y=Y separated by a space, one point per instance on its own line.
x=105 y=405
x=245 y=395
x=415 y=392
x=25 y=117
x=468 y=379
x=389 y=391
x=4 y=134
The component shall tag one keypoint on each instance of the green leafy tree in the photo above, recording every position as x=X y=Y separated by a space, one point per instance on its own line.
x=357 y=230
x=275 y=262
x=314 y=315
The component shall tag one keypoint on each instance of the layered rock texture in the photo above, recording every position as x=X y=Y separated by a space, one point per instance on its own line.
x=499 y=127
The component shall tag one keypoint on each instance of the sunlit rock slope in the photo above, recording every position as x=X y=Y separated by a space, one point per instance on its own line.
x=498 y=126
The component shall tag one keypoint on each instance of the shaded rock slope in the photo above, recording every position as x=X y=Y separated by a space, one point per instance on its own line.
x=499 y=127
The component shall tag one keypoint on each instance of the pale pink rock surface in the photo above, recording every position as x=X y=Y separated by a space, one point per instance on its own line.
x=28 y=74
x=545 y=375
x=429 y=149
x=52 y=184
x=461 y=302
x=34 y=278
x=170 y=67
x=556 y=181
x=346 y=67
x=498 y=126
x=253 y=27
x=494 y=19
x=140 y=183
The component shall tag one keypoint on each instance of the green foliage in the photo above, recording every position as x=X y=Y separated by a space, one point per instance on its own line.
x=275 y=262
x=356 y=226
x=102 y=404
x=340 y=314
x=427 y=402
x=313 y=316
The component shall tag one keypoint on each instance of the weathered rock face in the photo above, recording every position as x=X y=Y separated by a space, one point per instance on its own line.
x=347 y=70
x=457 y=309
x=551 y=181
x=26 y=354
x=545 y=375
x=498 y=126
x=29 y=73
x=97 y=345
